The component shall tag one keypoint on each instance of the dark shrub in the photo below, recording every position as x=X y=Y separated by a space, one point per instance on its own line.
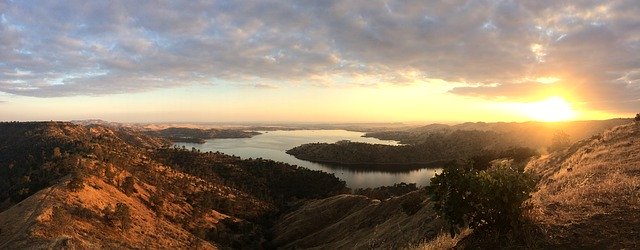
x=128 y=185
x=77 y=181
x=487 y=199
x=412 y=205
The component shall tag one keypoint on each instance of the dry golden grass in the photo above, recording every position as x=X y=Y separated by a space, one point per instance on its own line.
x=356 y=222
x=442 y=241
x=586 y=186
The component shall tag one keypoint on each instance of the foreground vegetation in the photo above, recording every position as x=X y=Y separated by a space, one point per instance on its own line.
x=486 y=201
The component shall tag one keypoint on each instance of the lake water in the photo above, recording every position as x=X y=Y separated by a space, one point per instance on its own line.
x=273 y=144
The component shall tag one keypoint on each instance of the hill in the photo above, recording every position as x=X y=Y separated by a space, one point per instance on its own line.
x=535 y=135
x=587 y=198
x=433 y=151
x=358 y=222
x=69 y=185
x=589 y=195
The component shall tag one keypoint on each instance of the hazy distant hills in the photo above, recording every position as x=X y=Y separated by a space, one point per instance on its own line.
x=435 y=144
x=527 y=134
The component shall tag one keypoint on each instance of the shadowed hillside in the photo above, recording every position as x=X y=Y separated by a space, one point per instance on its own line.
x=358 y=222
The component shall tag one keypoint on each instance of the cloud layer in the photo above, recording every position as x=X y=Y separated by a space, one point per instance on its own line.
x=50 y=49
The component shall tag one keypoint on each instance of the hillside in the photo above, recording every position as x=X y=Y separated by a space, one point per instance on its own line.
x=68 y=185
x=357 y=222
x=589 y=195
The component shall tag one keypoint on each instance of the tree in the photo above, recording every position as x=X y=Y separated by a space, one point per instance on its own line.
x=109 y=174
x=486 y=200
x=77 y=180
x=560 y=140
x=128 y=185
x=637 y=117
x=123 y=214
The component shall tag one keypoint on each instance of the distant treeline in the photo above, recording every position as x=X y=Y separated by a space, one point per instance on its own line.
x=433 y=149
x=195 y=135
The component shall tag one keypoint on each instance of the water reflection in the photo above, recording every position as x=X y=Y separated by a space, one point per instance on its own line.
x=273 y=144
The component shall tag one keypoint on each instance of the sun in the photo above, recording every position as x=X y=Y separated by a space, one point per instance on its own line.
x=553 y=109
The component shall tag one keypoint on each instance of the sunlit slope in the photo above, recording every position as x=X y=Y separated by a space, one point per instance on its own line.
x=57 y=218
x=589 y=195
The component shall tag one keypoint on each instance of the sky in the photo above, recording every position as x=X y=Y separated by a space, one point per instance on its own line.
x=319 y=61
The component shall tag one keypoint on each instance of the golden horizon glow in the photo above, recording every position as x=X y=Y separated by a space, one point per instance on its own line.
x=552 y=109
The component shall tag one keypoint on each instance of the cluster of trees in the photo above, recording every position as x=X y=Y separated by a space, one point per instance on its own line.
x=433 y=149
x=195 y=135
x=264 y=179
x=30 y=160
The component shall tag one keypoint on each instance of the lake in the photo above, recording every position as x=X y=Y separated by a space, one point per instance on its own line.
x=273 y=144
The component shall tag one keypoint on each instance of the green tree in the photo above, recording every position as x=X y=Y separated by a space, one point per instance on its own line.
x=489 y=199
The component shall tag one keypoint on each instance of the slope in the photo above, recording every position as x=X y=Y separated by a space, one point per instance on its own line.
x=68 y=185
x=358 y=222
x=589 y=195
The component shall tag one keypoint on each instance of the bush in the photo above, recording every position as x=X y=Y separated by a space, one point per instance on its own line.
x=637 y=119
x=121 y=215
x=560 y=140
x=128 y=185
x=489 y=199
x=77 y=181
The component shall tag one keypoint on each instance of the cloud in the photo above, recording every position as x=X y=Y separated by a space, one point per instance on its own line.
x=68 y=48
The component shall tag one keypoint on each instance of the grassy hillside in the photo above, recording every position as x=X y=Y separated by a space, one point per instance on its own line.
x=358 y=222
x=68 y=185
x=589 y=195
